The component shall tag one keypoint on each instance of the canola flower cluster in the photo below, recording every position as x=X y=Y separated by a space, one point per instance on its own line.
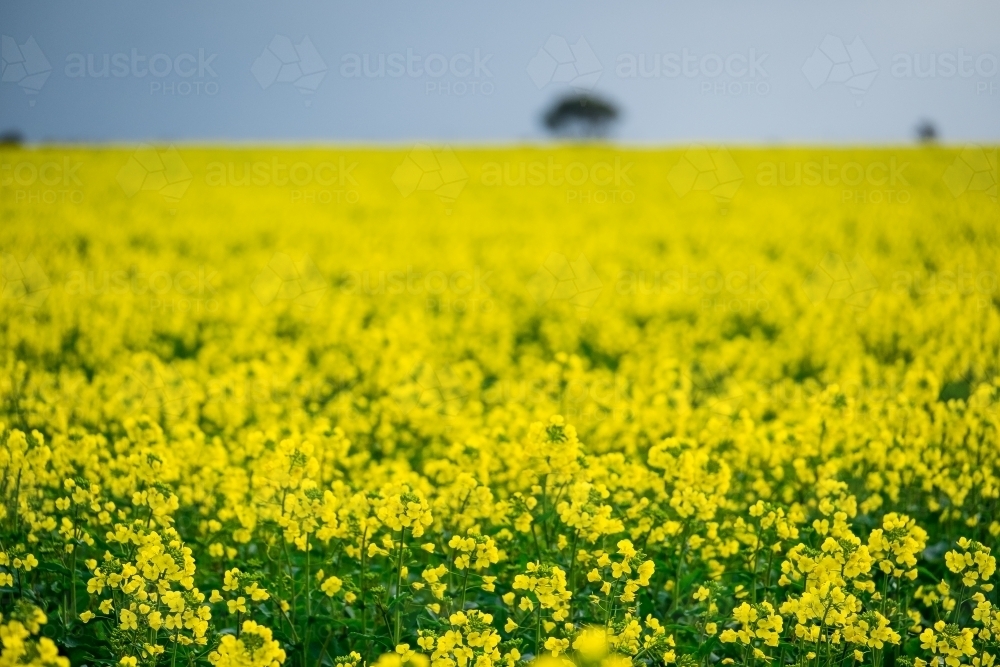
x=228 y=441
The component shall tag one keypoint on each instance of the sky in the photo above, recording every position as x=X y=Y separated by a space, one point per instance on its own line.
x=475 y=72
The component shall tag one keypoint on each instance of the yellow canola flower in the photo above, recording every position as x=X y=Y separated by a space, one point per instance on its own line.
x=254 y=648
x=556 y=407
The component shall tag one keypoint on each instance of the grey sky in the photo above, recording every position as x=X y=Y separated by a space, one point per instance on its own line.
x=822 y=72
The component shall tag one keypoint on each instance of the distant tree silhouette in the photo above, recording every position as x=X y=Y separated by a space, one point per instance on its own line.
x=926 y=132
x=580 y=115
x=11 y=138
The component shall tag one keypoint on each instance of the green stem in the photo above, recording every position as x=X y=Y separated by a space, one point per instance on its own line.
x=364 y=590
x=767 y=575
x=538 y=631
x=465 y=586
x=308 y=580
x=399 y=583
x=572 y=574
x=322 y=652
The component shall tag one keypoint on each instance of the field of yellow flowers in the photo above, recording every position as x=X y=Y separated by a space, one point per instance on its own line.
x=474 y=408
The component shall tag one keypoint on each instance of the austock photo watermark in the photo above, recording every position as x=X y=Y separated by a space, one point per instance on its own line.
x=563 y=281
x=300 y=64
x=560 y=63
x=449 y=390
x=975 y=68
x=42 y=181
x=734 y=291
x=838 y=278
x=837 y=61
x=329 y=181
x=151 y=170
x=289 y=279
x=427 y=169
x=284 y=62
x=976 y=286
x=736 y=74
x=24 y=64
x=23 y=281
x=301 y=283
x=183 y=74
x=185 y=291
x=585 y=182
x=849 y=62
x=170 y=388
x=974 y=170
x=711 y=170
x=576 y=283
x=259 y=389
x=575 y=64
x=586 y=399
x=442 y=291
x=872 y=182
x=458 y=74
x=855 y=399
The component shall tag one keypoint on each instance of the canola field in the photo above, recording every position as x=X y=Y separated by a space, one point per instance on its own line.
x=475 y=408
